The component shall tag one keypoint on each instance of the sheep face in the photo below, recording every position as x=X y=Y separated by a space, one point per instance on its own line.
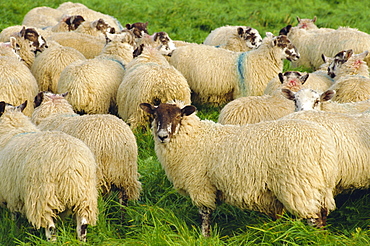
x=73 y=21
x=293 y=80
x=289 y=51
x=167 y=46
x=167 y=119
x=251 y=36
x=36 y=41
x=308 y=99
x=6 y=107
x=307 y=24
x=138 y=28
x=102 y=26
x=338 y=60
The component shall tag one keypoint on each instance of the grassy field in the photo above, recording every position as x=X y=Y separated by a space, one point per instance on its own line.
x=162 y=216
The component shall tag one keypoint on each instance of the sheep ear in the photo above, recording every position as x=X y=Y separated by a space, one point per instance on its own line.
x=13 y=42
x=2 y=107
x=363 y=55
x=281 y=77
x=22 y=33
x=38 y=99
x=138 y=50
x=188 y=110
x=147 y=107
x=22 y=106
x=287 y=93
x=314 y=19
x=128 y=26
x=324 y=58
x=298 y=19
x=285 y=30
x=304 y=78
x=327 y=95
x=64 y=94
x=240 y=31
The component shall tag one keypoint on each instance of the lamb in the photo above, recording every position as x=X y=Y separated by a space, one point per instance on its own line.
x=209 y=161
x=308 y=99
x=150 y=78
x=313 y=44
x=110 y=139
x=254 y=109
x=45 y=173
x=48 y=66
x=217 y=76
x=16 y=81
x=92 y=84
x=351 y=78
x=235 y=38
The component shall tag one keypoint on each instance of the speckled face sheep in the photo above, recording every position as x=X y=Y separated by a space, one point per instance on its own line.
x=45 y=173
x=159 y=40
x=217 y=76
x=139 y=28
x=209 y=161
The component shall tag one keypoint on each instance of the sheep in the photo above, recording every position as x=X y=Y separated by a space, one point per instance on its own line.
x=351 y=78
x=225 y=159
x=313 y=44
x=66 y=24
x=254 y=109
x=45 y=173
x=235 y=38
x=352 y=138
x=150 y=78
x=89 y=46
x=110 y=139
x=307 y=99
x=41 y=17
x=48 y=66
x=68 y=8
x=95 y=28
x=17 y=83
x=217 y=76
x=160 y=40
x=309 y=24
x=140 y=29
x=92 y=84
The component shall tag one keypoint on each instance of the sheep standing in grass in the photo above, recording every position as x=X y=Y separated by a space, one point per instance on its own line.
x=312 y=44
x=254 y=109
x=235 y=38
x=45 y=173
x=149 y=78
x=217 y=76
x=307 y=99
x=209 y=162
x=92 y=84
x=351 y=78
x=48 y=65
x=110 y=139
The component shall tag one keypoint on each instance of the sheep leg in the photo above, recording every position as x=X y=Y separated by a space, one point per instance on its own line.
x=205 y=214
x=123 y=200
x=321 y=220
x=81 y=228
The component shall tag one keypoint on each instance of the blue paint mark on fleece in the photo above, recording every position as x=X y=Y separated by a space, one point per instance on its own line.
x=240 y=68
x=119 y=62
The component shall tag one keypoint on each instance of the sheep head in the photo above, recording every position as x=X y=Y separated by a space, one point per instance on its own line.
x=251 y=36
x=167 y=118
x=37 y=42
x=289 y=51
x=293 y=80
x=308 y=99
x=6 y=107
x=73 y=21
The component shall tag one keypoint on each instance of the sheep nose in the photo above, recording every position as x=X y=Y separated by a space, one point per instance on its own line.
x=163 y=138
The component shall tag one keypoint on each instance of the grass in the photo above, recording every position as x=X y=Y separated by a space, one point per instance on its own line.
x=162 y=216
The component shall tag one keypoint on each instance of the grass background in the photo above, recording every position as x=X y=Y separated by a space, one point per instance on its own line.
x=162 y=216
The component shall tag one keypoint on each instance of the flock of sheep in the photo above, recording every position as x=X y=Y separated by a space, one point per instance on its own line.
x=76 y=83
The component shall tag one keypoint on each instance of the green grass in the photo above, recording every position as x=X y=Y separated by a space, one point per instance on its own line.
x=162 y=216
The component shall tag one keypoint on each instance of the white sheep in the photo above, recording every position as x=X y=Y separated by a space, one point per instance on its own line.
x=69 y=8
x=89 y=46
x=352 y=138
x=110 y=139
x=309 y=24
x=45 y=173
x=235 y=38
x=351 y=78
x=17 y=83
x=254 y=109
x=149 y=78
x=217 y=76
x=92 y=84
x=312 y=44
x=48 y=65
x=209 y=161
x=307 y=99
x=41 y=17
